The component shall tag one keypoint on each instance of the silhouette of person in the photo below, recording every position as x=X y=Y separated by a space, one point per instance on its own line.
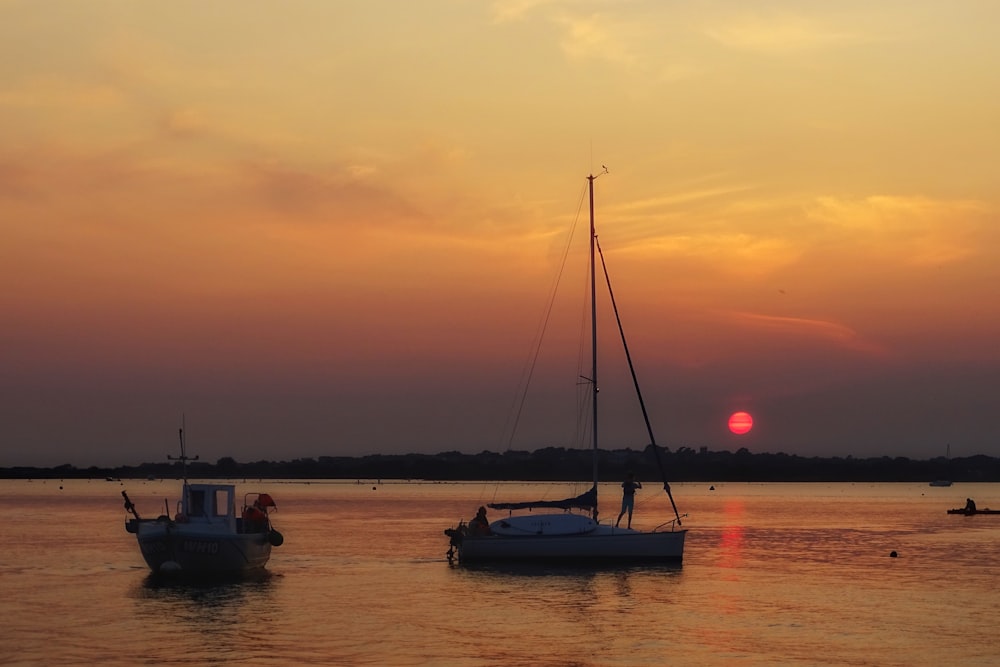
x=970 y=506
x=480 y=525
x=628 y=498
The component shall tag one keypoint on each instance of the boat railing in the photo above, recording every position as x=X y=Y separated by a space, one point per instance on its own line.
x=673 y=523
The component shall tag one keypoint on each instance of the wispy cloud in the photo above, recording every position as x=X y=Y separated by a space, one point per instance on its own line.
x=515 y=10
x=779 y=33
x=598 y=37
x=913 y=230
x=687 y=196
x=630 y=35
x=734 y=254
x=54 y=92
x=835 y=333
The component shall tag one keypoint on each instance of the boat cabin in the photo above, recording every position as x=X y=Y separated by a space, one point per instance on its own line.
x=209 y=504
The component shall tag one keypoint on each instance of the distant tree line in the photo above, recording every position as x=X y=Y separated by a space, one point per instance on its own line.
x=561 y=464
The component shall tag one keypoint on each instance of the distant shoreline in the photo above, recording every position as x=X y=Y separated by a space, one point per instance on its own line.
x=556 y=464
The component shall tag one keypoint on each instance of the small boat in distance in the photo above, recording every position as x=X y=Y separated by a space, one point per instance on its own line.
x=973 y=512
x=205 y=536
x=970 y=509
x=564 y=537
x=941 y=481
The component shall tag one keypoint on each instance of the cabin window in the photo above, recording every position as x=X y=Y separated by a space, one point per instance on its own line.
x=196 y=503
x=222 y=502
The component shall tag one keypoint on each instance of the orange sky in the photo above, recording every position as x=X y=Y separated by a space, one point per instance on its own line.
x=330 y=227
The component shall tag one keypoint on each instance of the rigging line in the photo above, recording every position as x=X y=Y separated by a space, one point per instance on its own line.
x=635 y=382
x=584 y=415
x=527 y=373
x=517 y=408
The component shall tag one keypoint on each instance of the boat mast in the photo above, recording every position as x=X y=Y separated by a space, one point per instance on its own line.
x=183 y=457
x=593 y=328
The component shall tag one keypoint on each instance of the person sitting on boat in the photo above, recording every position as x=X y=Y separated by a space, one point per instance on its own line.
x=254 y=517
x=970 y=506
x=480 y=525
x=628 y=498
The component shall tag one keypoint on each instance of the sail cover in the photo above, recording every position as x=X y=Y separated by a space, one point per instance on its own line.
x=584 y=501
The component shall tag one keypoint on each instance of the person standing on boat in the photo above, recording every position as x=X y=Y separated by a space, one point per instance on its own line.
x=628 y=498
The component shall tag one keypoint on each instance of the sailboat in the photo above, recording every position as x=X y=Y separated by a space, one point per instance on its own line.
x=205 y=536
x=566 y=536
x=942 y=481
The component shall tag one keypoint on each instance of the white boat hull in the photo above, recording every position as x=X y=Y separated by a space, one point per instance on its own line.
x=174 y=548
x=598 y=544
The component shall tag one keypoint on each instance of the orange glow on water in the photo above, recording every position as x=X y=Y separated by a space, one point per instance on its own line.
x=731 y=541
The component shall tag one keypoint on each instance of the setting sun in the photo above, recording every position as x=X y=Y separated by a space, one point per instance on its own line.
x=740 y=422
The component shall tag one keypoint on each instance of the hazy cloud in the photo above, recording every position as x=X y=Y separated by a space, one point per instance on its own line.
x=597 y=37
x=913 y=230
x=57 y=93
x=835 y=333
x=778 y=33
x=513 y=10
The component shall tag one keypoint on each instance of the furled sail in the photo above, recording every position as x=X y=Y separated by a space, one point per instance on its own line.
x=584 y=501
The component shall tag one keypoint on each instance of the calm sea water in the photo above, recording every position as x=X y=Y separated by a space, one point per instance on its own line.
x=774 y=574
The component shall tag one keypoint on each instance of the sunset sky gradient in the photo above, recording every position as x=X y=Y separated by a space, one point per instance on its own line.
x=330 y=228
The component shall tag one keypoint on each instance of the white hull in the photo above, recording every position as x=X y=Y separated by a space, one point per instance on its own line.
x=173 y=548
x=598 y=544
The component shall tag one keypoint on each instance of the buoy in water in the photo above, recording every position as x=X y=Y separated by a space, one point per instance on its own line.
x=893 y=554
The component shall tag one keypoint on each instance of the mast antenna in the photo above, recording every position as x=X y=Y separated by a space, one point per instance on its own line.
x=183 y=458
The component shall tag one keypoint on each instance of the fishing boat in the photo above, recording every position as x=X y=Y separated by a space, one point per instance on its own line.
x=568 y=531
x=205 y=536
